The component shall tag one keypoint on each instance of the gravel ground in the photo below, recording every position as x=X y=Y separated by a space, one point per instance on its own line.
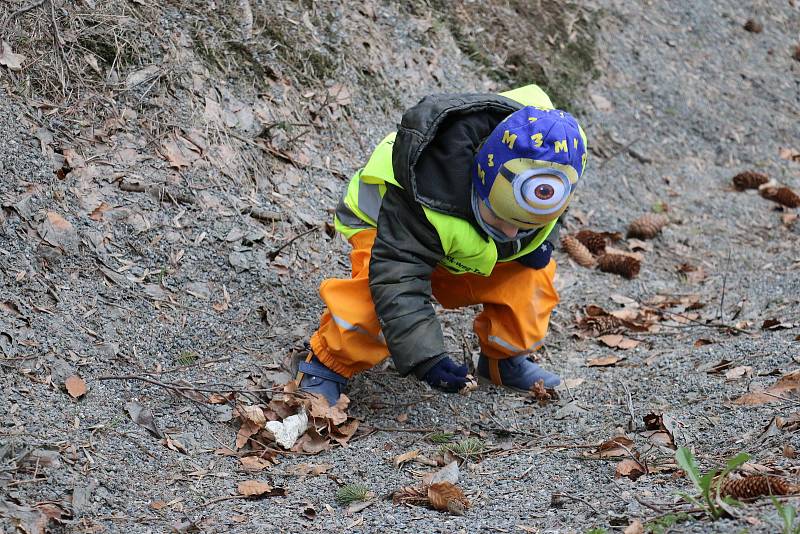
x=686 y=99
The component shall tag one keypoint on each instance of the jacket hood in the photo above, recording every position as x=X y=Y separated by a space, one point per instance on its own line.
x=436 y=145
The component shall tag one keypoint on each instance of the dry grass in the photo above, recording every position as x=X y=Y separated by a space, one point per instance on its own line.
x=554 y=48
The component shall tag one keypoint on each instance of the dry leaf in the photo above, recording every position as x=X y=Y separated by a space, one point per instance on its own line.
x=9 y=58
x=570 y=383
x=636 y=527
x=604 y=361
x=253 y=488
x=97 y=213
x=254 y=463
x=142 y=75
x=616 y=447
x=58 y=231
x=252 y=414
x=619 y=342
x=247 y=430
x=142 y=416
x=445 y=496
x=629 y=468
x=304 y=469
x=216 y=398
x=785 y=384
x=75 y=385
x=400 y=459
x=661 y=439
x=789 y=154
x=739 y=372
x=174 y=445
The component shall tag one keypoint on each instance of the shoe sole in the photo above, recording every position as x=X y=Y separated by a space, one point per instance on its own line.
x=484 y=380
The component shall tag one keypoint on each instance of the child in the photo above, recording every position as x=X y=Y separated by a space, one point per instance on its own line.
x=459 y=204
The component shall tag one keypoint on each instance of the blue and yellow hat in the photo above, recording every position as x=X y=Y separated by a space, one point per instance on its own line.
x=528 y=168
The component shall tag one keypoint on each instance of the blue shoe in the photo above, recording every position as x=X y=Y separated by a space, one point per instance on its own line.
x=316 y=378
x=516 y=373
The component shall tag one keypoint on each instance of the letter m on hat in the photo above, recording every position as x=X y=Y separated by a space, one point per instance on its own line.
x=509 y=138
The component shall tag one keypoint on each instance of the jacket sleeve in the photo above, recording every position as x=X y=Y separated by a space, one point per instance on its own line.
x=406 y=251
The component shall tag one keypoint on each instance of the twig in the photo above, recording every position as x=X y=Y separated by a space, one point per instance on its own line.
x=180 y=390
x=397 y=429
x=189 y=366
x=696 y=322
x=768 y=394
x=631 y=423
x=19 y=12
x=623 y=148
x=262 y=214
x=63 y=74
x=274 y=254
x=214 y=501
x=721 y=315
x=161 y=192
x=648 y=504
x=574 y=498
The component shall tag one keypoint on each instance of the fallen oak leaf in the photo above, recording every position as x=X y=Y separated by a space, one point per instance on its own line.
x=629 y=468
x=619 y=341
x=58 y=232
x=445 y=496
x=252 y=414
x=787 y=383
x=604 y=361
x=255 y=489
x=739 y=372
x=143 y=417
x=254 y=463
x=304 y=469
x=9 y=59
x=174 y=445
x=247 y=430
x=400 y=459
x=75 y=386
x=618 y=446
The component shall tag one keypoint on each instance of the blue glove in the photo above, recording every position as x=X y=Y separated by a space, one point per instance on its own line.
x=446 y=375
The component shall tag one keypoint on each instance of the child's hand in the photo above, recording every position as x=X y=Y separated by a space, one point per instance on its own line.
x=447 y=376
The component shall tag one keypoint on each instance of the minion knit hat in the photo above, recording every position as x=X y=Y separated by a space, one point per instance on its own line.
x=528 y=168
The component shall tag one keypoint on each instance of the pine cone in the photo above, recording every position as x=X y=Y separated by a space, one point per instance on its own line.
x=647 y=226
x=782 y=195
x=749 y=180
x=414 y=495
x=756 y=486
x=594 y=241
x=577 y=251
x=753 y=26
x=447 y=496
x=626 y=266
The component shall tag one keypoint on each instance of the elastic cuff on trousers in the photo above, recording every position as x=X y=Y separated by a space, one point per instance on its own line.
x=324 y=356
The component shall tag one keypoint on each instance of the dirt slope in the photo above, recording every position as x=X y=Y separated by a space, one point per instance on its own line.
x=194 y=142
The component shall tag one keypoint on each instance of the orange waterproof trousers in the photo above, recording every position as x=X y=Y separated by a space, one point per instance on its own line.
x=517 y=302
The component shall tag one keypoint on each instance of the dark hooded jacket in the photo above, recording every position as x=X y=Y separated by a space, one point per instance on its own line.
x=431 y=158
